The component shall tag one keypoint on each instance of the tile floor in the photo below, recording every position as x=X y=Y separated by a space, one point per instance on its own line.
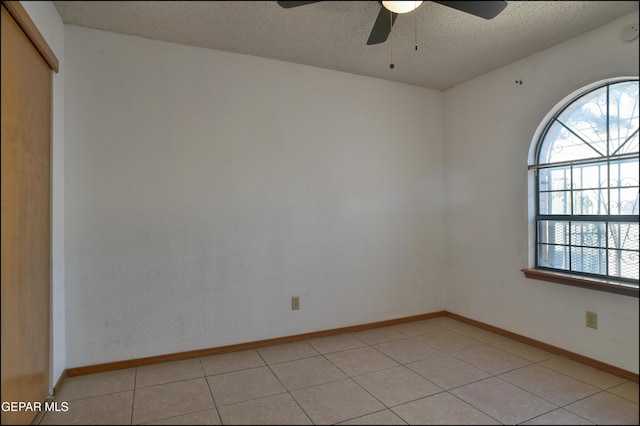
x=437 y=371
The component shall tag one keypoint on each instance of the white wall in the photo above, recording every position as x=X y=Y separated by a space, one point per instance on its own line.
x=490 y=123
x=46 y=18
x=204 y=189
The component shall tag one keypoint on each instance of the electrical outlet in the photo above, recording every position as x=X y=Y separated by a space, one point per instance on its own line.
x=295 y=303
x=592 y=319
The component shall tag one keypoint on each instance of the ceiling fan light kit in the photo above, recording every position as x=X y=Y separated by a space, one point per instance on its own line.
x=401 y=6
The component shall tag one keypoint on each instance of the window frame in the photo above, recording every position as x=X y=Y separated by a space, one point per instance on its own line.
x=608 y=283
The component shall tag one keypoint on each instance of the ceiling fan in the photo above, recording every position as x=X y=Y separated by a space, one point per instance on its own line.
x=389 y=11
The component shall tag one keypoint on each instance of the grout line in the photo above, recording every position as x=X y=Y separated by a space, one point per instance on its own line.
x=285 y=386
x=301 y=407
x=295 y=359
x=234 y=371
x=180 y=415
x=84 y=398
x=559 y=408
x=171 y=381
x=133 y=400
x=473 y=406
x=372 y=413
x=579 y=379
x=215 y=405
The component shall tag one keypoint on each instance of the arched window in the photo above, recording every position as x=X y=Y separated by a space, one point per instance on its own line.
x=586 y=186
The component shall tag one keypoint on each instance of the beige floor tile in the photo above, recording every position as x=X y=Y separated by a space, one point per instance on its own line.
x=340 y=342
x=606 y=409
x=408 y=350
x=448 y=372
x=590 y=375
x=233 y=361
x=417 y=328
x=523 y=350
x=397 y=385
x=491 y=359
x=287 y=352
x=336 y=402
x=171 y=400
x=385 y=417
x=449 y=341
x=628 y=390
x=111 y=409
x=379 y=335
x=503 y=401
x=446 y=322
x=479 y=334
x=549 y=384
x=307 y=372
x=442 y=409
x=97 y=384
x=360 y=361
x=279 y=409
x=205 y=417
x=168 y=372
x=558 y=417
x=239 y=386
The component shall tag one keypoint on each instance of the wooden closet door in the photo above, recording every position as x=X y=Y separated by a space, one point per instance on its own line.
x=26 y=223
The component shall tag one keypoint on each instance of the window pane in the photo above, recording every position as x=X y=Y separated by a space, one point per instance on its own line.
x=623 y=117
x=624 y=173
x=589 y=260
x=587 y=117
x=624 y=201
x=590 y=202
x=553 y=232
x=623 y=256
x=592 y=234
x=555 y=202
x=624 y=236
x=624 y=264
x=590 y=176
x=551 y=256
x=562 y=145
x=554 y=179
x=630 y=146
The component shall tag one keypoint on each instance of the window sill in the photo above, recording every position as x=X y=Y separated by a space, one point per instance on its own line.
x=580 y=281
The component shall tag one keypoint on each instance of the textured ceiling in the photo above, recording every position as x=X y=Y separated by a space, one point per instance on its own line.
x=453 y=47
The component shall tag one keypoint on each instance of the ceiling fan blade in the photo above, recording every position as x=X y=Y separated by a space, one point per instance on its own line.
x=290 y=4
x=382 y=26
x=483 y=9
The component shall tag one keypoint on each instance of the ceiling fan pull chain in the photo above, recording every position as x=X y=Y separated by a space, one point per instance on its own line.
x=415 y=30
x=392 y=66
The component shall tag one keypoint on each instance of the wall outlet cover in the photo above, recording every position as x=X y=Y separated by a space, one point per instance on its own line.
x=592 y=319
